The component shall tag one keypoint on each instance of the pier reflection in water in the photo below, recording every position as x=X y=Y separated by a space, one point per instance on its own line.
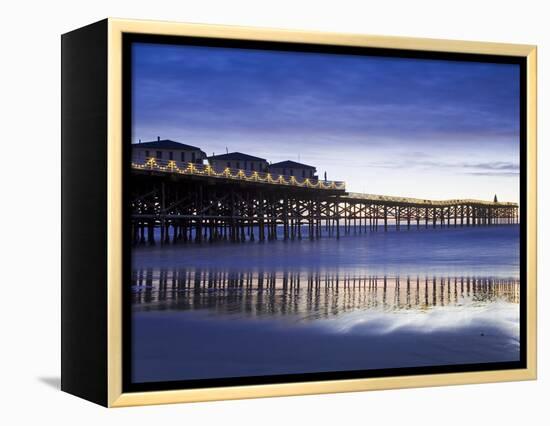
x=308 y=296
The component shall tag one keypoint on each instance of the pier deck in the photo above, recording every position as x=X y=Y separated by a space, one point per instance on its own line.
x=197 y=203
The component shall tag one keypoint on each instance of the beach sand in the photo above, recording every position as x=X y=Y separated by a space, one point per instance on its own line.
x=173 y=345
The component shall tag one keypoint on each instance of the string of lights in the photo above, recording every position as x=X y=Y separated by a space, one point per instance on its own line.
x=171 y=166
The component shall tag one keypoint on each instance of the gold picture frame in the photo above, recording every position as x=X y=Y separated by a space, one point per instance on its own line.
x=115 y=29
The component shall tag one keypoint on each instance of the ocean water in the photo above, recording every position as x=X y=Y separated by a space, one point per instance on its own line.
x=366 y=301
x=489 y=251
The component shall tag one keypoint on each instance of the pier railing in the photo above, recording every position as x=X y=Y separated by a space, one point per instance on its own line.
x=172 y=166
x=420 y=201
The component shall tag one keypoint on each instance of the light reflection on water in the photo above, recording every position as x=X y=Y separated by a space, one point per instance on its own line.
x=269 y=323
x=308 y=296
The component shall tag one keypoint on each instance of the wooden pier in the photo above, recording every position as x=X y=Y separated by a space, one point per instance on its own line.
x=199 y=204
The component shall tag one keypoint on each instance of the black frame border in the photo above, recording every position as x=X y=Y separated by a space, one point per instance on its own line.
x=129 y=38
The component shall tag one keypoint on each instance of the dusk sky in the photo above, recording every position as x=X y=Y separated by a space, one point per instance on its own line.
x=409 y=127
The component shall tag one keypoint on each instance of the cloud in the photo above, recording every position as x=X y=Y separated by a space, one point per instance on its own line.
x=247 y=91
x=495 y=174
x=490 y=168
x=495 y=165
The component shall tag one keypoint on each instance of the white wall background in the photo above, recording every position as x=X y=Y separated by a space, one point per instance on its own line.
x=30 y=187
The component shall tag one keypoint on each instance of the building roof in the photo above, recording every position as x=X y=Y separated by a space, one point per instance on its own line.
x=288 y=164
x=236 y=156
x=166 y=144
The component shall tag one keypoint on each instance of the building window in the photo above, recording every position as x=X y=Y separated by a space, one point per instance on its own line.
x=303 y=173
x=146 y=154
x=171 y=155
x=252 y=166
x=246 y=165
x=238 y=164
x=159 y=154
x=291 y=172
x=228 y=164
x=183 y=157
x=193 y=157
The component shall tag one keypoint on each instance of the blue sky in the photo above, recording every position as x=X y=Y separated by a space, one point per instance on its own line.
x=410 y=127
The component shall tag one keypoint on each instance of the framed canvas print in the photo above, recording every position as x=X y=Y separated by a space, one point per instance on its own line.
x=251 y=212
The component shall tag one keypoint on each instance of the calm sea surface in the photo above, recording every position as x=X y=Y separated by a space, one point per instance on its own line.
x=369 y=301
